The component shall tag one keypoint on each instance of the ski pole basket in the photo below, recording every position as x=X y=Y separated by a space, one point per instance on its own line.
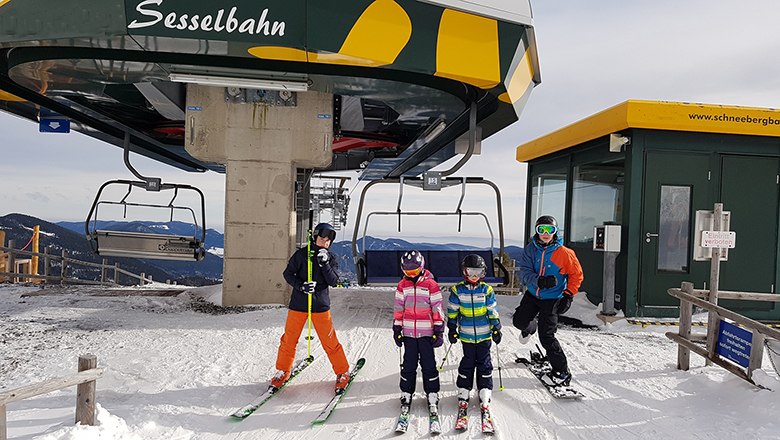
x=135 y=244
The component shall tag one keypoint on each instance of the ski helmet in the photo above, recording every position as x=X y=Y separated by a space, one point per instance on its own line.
x=412 y=264
x=546 y=223
x=324 y=230
x=474 y=266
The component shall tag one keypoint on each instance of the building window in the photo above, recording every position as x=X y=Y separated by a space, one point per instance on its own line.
x=674 y=224
x=597 y=197
x=548 y=197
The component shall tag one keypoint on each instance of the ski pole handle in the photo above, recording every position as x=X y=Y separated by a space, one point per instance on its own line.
x=445 y=357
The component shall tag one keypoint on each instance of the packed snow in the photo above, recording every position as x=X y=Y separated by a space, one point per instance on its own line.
x=177 y=366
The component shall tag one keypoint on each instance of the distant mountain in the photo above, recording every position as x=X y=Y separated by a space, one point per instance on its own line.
x=18 y=227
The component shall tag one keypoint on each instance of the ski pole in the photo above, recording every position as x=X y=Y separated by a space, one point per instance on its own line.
x=445 y=357
x=500 y=381
x=400 y=358
x=308 y=268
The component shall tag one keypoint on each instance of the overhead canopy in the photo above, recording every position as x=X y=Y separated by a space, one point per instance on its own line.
x=660 y=115
x=399 y=69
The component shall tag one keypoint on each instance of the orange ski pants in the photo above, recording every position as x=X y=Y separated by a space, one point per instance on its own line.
x=327 y=334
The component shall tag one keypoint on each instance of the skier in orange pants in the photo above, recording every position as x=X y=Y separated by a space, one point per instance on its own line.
x=323 y=275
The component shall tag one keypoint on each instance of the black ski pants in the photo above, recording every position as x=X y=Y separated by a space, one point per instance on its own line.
x=530 y=306
x=419 y=350
x=475 y=357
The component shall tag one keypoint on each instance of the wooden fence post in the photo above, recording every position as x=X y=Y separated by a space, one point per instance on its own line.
x=85 y=393
x=103 y=270
x=12 y=260
x=46 y=264
x=142 y=279
x=3 y=424
x=63 y=266
x=686 y=312
x=116 y=273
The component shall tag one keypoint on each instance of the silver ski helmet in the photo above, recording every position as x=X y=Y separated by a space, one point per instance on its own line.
x=412 y=264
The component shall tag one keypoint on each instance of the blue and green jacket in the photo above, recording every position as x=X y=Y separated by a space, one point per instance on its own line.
x=473 y=312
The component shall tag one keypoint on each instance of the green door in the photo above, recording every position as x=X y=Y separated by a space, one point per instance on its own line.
x=676 y=185
x=749 y=190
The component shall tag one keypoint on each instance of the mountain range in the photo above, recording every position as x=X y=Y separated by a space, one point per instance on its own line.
x=70 y=236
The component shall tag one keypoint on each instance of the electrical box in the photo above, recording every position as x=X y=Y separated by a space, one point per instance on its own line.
x=606 y=238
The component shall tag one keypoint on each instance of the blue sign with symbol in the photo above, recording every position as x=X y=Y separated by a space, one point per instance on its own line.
x=734 y=343
x=54 y=125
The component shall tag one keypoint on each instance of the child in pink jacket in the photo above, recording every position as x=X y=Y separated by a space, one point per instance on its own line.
x=418 y=325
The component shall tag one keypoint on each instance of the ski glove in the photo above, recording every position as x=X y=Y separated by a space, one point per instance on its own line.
x=496 y=335
x=398 y=336
x=308 y=287
x=547 y=282
x=452 y=335
x=437 y=340
x=322 y=257
x=564 y=303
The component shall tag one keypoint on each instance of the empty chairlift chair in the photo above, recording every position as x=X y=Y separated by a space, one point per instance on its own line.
x=155 y=245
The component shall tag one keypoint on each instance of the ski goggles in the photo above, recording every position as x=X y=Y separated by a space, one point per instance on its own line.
x=330 y=234
x=474 y=272
x=411 y=273
x=546 y=229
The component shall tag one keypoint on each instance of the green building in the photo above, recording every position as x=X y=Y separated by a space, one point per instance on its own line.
x=650 y=166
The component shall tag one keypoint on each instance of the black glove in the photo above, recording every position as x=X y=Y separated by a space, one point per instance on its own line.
x=564 y=303
x=322 y=257
x=308 y=287
x=496 y=335
x=398 y=336
x=438 y=340
x=452 y=335
x=547 y=282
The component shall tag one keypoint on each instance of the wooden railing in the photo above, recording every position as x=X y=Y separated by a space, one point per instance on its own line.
x=9 y=255
x=85 y=392
x=688 y=342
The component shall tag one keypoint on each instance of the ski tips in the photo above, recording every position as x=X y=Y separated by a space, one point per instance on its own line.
x=360 y=362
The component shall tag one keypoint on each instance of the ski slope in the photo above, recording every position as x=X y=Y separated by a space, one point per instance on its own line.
x=175 y=371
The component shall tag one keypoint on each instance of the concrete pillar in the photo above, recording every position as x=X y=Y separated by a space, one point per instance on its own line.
x=261 y=147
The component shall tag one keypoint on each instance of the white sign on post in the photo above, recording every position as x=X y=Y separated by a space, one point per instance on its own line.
x=718 y=239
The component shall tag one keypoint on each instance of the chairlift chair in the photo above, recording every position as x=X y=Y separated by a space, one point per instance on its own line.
x=143 y=244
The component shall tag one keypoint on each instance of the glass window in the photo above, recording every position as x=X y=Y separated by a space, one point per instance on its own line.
x=597 y=197
x=674 y=224
x=548 y=197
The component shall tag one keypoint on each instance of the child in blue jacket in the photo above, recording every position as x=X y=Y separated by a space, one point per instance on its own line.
x=473 y=319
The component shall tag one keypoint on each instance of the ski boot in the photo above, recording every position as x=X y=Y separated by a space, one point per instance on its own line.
x=525 y=335
x=341 y=382
x=279 y=379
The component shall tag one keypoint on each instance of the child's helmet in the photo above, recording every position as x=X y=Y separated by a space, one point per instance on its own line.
x=474 y=268
x=412 y=264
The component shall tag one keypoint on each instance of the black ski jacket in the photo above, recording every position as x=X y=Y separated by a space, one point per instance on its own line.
x=296 y=273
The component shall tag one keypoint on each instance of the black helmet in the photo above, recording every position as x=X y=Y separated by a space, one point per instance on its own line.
x=324 y=230
x=546 y=221
x=412 y=264
x=473 y=265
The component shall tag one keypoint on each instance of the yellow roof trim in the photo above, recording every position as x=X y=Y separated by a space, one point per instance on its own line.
x=659 y=115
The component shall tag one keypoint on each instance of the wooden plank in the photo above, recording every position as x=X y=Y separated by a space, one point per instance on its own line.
x=48 y=386
x=686 y=312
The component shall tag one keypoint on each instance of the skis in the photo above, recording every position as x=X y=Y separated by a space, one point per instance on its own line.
x=539 y=366
x=326 y=412
x=487 y=419
x=462 y=422
x=246 y=411
x=403 y=417
x=434 y=425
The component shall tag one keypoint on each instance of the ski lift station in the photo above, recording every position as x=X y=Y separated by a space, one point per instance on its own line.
x=268 y=93
x=648 y=175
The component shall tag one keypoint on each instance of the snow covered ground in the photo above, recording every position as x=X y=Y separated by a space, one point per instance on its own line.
x=177 y=366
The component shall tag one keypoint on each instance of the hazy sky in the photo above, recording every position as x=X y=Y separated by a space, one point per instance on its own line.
x=593 y=55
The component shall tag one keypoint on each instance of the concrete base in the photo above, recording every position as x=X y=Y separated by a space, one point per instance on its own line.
x=609 y=319
x=261 y=147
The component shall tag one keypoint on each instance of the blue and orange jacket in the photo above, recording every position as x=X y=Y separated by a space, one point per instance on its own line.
x=553 y=259
x=472 y=312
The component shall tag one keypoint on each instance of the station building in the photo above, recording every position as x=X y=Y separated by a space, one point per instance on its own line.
x=649 y=166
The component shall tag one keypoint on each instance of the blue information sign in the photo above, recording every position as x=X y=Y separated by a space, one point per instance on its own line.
x=54 y=125
x=734 y=343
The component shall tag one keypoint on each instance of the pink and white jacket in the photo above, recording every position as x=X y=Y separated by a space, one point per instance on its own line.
x=418 y=307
